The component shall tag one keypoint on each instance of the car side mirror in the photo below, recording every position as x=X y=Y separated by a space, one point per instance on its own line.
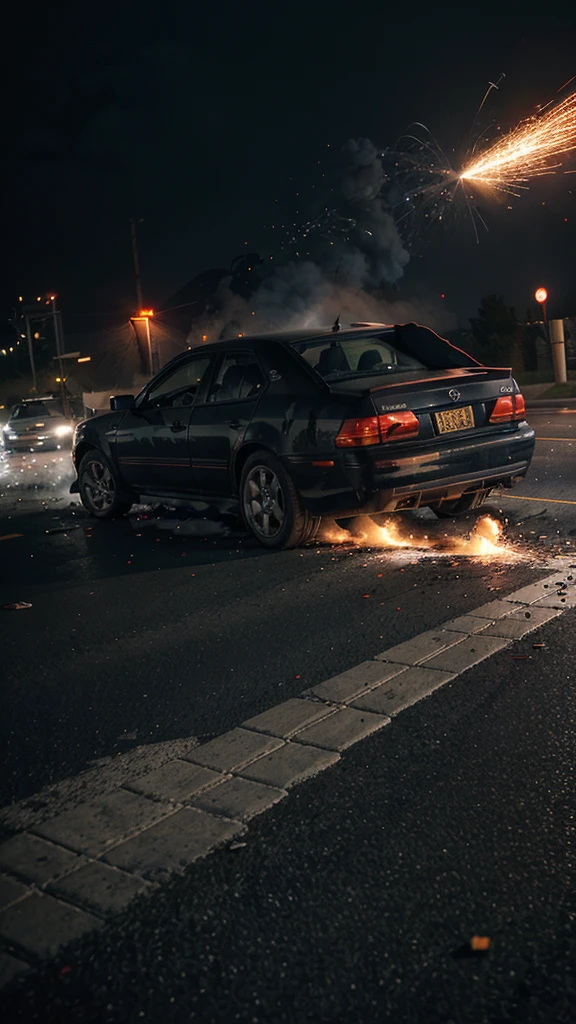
x=119 y=403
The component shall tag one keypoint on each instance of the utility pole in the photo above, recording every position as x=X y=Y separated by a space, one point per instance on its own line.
x=136 y=260
x=59 y=339
x=31 y=313
x=30 y=351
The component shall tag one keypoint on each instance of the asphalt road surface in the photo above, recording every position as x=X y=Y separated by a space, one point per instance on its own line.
x=354 y=898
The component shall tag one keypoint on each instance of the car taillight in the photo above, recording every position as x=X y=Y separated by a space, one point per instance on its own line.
x=398 y=424
x=357 y=433
x=377 y=429
x=508 y=408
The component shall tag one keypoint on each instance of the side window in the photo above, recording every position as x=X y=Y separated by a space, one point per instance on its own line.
x=179 y=388
x=238 y=377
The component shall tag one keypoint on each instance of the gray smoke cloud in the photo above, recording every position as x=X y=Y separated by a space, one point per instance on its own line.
x=339 y=262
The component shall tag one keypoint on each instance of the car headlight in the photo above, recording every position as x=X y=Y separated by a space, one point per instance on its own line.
x=63 y=430
x=12 y=437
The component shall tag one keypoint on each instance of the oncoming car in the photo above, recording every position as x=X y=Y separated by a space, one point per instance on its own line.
x=37 y=424
x=294 y=427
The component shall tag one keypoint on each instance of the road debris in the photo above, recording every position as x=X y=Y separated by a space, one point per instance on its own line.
x=64 y=529
x=477 y=947
x=16 y=606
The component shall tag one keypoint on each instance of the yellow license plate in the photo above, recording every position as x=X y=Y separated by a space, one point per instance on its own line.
x=455 y=419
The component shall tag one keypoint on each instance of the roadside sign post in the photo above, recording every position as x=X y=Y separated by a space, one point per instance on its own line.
x=558 y=346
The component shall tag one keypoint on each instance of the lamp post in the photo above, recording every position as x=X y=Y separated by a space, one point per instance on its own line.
x=541 y=296
x=144 y=317
x=135 y=259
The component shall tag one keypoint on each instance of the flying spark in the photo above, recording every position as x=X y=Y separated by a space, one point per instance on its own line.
x=484 y=541
x=528 y=151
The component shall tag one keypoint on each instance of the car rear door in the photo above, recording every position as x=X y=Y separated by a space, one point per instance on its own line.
x=219 y=422
x=152 y=439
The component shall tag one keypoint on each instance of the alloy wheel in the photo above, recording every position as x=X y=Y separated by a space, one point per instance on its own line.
x=99 y=485
x=264 y=502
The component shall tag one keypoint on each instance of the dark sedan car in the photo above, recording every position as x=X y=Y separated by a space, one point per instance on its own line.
x=37 y=424
x=293 y=427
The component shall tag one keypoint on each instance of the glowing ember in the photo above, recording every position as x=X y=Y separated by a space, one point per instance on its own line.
x=528 y=151
x=485 y=538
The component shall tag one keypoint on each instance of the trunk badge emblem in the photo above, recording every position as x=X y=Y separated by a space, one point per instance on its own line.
x=454 y=395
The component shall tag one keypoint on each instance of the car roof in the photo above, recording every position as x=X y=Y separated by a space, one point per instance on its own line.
x=290 y=337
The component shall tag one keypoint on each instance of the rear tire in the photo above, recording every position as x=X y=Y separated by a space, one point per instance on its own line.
x=270 y=506
x=99 y=487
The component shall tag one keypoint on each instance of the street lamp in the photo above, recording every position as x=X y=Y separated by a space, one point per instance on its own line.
x=541 y=296
x=144 y=316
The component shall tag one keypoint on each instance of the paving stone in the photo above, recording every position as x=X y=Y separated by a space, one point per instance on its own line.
x=233 y=750
x=342 y=729
x=10 y=966
x=10 y=891
x=290 y=764
x=285 y=719
x=347 y=685
x=173 y=843
x=100 y=888
x=239 y=798
x=422 y=646
x=492 y=610
x=531 y=593
x=405 y=689
x=94 y=826
x=469 y=652
x=36 y=860
x=467 y=624
x=40 y=924
x=517 y=625
x=176 y=781
x=558 y=599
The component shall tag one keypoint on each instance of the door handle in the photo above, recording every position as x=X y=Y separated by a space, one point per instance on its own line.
x=177 y=427
x=235 y=424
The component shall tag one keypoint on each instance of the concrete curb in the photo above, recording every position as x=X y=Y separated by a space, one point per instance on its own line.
x=69 y=874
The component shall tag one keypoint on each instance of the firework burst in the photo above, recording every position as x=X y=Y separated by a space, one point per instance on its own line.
x=528 y=151
x=433 y=187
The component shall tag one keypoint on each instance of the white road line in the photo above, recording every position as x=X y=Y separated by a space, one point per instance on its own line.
x=64 y=874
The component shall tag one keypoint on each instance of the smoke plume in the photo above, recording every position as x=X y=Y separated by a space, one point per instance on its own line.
x=347 y=259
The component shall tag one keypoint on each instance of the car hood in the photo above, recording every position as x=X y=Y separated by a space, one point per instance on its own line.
x=49 y=423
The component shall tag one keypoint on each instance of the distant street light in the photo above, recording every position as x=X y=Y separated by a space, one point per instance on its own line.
x=144 y=317
x=541 y=296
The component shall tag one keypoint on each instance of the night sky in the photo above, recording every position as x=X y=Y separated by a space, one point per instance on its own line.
x=207 y=120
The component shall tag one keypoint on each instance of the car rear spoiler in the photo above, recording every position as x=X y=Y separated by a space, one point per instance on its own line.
x=493 y=372
x=429 y=348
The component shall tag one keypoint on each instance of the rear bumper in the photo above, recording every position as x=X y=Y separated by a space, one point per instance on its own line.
x=385 y=479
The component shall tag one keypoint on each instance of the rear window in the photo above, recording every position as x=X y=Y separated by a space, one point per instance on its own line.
x=355 y=357
x=32 y=410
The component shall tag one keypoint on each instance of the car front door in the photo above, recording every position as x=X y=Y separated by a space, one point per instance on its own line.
x=219 y=422
x=152 y=439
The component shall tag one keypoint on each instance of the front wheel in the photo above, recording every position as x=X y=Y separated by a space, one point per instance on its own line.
x=270 y=505
x=99 y=488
